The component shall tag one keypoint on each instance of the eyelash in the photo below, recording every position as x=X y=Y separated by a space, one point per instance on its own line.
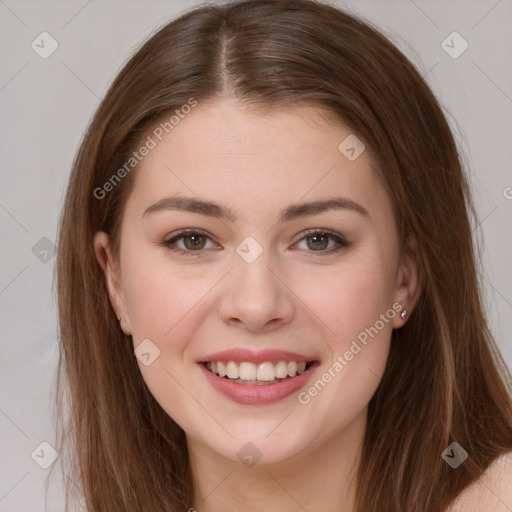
x=339 y=239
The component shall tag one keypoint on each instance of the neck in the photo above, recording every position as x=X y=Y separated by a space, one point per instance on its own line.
x=294 y=484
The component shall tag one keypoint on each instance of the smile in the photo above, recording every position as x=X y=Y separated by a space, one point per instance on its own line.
x=262 y=374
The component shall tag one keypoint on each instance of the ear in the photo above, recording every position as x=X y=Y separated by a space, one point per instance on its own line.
x=408 y=282
x=112 y=279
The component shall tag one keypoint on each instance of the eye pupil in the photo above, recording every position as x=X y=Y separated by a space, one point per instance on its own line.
x=196 y=243
x=317 y=238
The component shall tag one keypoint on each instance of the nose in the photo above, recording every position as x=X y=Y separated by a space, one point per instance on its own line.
x=255 y=297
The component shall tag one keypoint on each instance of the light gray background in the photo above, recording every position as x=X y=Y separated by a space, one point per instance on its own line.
x=46 y=104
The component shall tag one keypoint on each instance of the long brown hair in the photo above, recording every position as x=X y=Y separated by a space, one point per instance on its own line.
x=445 y=379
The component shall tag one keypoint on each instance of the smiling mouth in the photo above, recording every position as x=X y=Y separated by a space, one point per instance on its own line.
x=262 y=374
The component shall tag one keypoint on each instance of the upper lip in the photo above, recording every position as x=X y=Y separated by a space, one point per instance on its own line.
x=241 y=354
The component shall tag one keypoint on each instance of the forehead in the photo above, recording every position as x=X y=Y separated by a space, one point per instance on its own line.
x=229 y=152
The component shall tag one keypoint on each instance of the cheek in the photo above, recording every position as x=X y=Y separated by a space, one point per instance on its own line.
x=159 y=298
x=355 y=302
x=164 y=306
x=151 y=302
x=348 y=297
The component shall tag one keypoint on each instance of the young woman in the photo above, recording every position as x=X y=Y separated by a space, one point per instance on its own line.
x=267 y=285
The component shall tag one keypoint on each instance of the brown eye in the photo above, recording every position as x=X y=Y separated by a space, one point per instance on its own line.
x=196 y=241
x=320 y=242
x=190 y=242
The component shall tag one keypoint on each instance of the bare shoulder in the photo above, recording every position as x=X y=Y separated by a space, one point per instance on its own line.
x=492 y=492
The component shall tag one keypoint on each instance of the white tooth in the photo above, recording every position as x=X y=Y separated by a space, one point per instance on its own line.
x=266 y=372
x=221 y=369
x=281 y=370
x=213 y=367
x=247 y=371
x=292 y=368
x=301 y=367
x=232 y=370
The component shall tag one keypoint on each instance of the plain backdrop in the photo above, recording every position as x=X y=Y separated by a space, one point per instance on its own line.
x=46 y=104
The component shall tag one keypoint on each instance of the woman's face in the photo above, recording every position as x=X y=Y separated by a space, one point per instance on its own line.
x=265 y=274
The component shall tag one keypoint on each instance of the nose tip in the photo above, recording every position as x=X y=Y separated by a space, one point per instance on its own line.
x=255 y=298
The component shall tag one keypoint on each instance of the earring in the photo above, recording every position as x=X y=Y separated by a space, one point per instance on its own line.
x=118 y=318
x=403 y=314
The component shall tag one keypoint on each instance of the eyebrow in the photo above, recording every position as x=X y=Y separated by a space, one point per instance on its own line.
x=292 y=212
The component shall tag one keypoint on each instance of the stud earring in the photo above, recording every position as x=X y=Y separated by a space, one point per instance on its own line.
x=118 y=318
x=403 y=314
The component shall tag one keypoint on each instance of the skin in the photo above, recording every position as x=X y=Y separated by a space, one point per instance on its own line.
x=292 y=297
x=492 y=491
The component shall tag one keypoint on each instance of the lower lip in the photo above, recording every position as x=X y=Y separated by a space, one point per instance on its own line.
x=251 y=395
